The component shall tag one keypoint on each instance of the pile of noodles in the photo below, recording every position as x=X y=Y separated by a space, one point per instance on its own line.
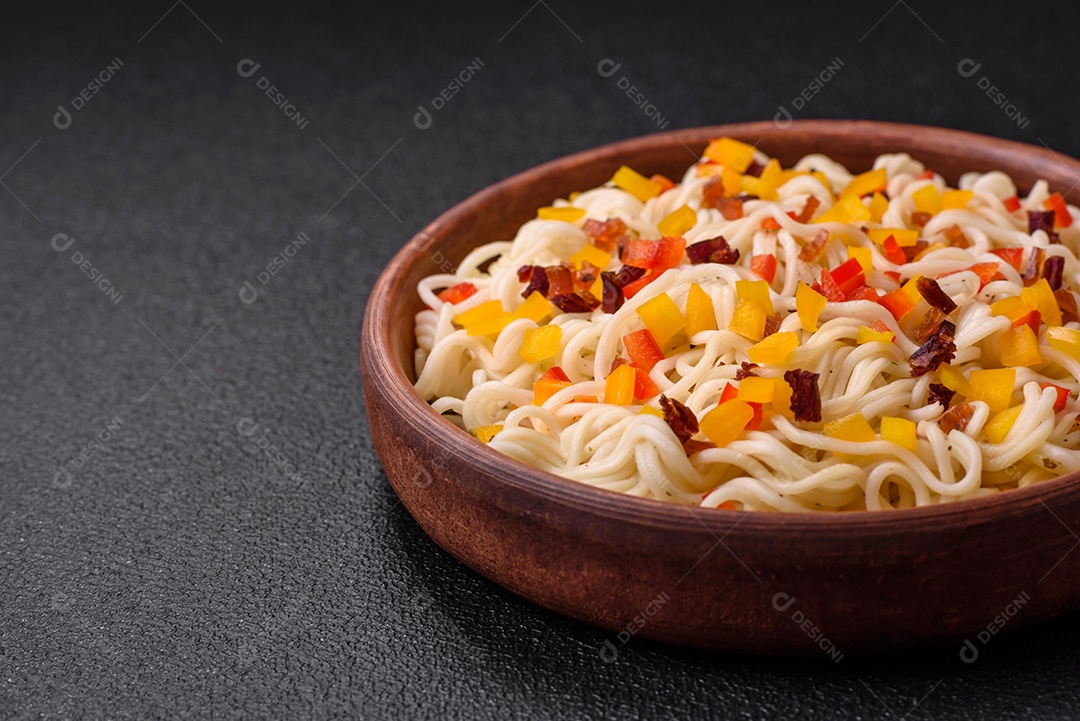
x=791 y=466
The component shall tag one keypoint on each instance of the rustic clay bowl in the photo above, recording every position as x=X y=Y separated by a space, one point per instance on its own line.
x=752 y=582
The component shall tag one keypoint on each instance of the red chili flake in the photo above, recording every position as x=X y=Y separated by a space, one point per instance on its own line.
x=772 y=324
x=941 y=348
x=911 y=252
x=940 y=394
x=807 y=212
x=692 y=446
x=1067 y=302
x=585 y=276
x=712 y=194
x=682 y=420
x=805 y=395
x=604 y=233
x=929 y=325
x=730 y=208
x=536 y=278
x=745 y=370
x=755 y=169
x=956 y=237
x=577 y=302
x=930 y=290
x=1040 y=220
x=1034 y=269
x=560 y=280
x=1053 y=269
x=613 y=296
x=957 y=417
x=920 y=218
x=628 y=274
x=714 y=250
x=812 y=250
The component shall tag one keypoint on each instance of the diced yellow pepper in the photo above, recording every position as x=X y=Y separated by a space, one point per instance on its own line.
x=993 y=387
x=852 y=428
x=545 y=389
x=900 y=431
x=592 y=254
x=541 y=343
x=953 y=379
x=757 y=186
x=1020 y=347
x=912 y=288
x=484 y=311
x=753 y=389
x=730 y=153
x=574 y=196
x=724 y=423
x=774 y=349
x=700 y=314
x=650 y=411
x=927 y=199
x=904 y=237
x=567 y=214
x=1015 y=307
x=748 y=320
x=635 y=183
x=865 y=256
x=865 y=183
x=781 y=399
x=866 y=334
x=773 y=174
x=490 y=326
x=619 y=386
x=662 y=317
x=878 y=205
x=536 y=307
x=956 y=199
x=1065 y=340
x=756 y=291
x=847 y=209
x=677 y=221
x=999 y=426
x=486 y=433
x=731 y=180
x=809 y=304
x=597 y=288
x=1045 y=301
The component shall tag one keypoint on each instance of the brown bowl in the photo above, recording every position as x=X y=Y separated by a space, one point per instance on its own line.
x=751 y=582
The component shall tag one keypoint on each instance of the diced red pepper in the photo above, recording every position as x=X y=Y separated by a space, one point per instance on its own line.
x=893 y=251
x=1056 y=203
x=631 y=289
x=643 y=350
x=848 y=276
x=457 y=293
x=669 y=253
x=555 y=374
x=1063 y=395
x=926 y=175
x=1012 y=204
x=764 y=266
x=894 y=275
x=641 y=253
x=899 y=303
x=755 y=420
x=730 y=208
x=728 y=393
x=793 y=215
x=1012 y=256
x=644 y=388
x=663 y=181
x=1032 y=320
x=986 y=272
x=880 y=327
x=770 y=223
x=829 y=288
x=862 y=293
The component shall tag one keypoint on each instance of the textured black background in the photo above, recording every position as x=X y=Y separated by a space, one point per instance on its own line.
x=185 y=571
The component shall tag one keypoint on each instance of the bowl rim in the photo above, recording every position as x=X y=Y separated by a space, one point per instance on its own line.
x=376 y=356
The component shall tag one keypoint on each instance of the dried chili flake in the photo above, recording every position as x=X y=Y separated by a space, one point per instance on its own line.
x=1067 y=302
x=537 y=280
x=585 y=276
x=1044 y=221
x=805 y=395
x=1034 y=268
x=930 y=290
x=604 y=233
x=612 y=298
x=920 y=218
x=940 y=348
x=956 y=237
x=745 y=370
x=714 y=250
x=940 y=394
x=755 y=169
x=807 y=212
x=694 y=446
x=730 y=208
x=681 y=419
x=957 y=417
x=576 y=302
x=772 y=324
x=812 y=250
x=628 y=274
x=560 y=281
x=929 y=324
x=1053 y=270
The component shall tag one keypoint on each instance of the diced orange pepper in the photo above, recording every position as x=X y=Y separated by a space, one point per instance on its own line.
x=724 y=423
x=644 y=388
x=619 y=386
x=1062 y=395
x=770 y=223
x=748 y=320
x=643 y=349
x=457 y=293
x=764 y=266
x=809 y=304
x=664 y=182
x=730 y=153
x=956 y=199
x=898 y=302
x=1062 y=217
x=553 y=381
x=756 y=291
x=852 y=428
x=903 y=237
x=567 y=214
x=700 y=313
x=1019 y=347
x=1012 y=256
x=865 y=183
x=773 y=349
x=756 y=390
x=485 y=433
